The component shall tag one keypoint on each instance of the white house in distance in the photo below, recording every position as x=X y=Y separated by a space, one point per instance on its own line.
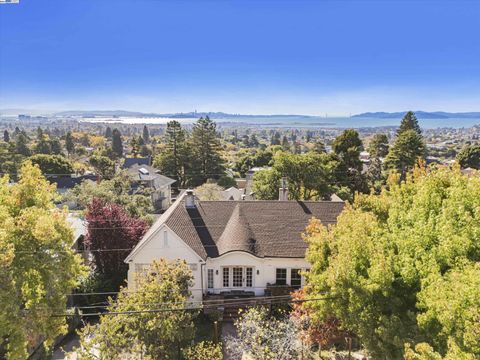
x=233 y=247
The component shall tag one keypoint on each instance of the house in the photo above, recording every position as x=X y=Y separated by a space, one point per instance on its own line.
x=145 y=176
x=233 y=247
x=66 y=183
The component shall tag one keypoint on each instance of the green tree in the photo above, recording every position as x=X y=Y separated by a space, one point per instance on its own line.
x=43 y=145
x=173 y=161
x=409 y=122
x=378 y=146
x=6 y=136
x=117 y=145
x=285 y=143
x=115 y=190
x=348 y=146
x=204 y=350
x=69 y=144
x=209 y=191
x=52 y=164
x=266 y=184
x=404 y=266
x=103 y=166
x=151 y=335
x=146 y=134
x=207 y=162
x=319 y=147
x=21 y=144
x=38 y=267
x=469 y=156
x=407 y=149
x=108 y=132
x=56 y=146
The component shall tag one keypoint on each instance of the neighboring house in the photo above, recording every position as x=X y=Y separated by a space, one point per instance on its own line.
x=145 y=176
x=233 y=247
x=66 y=183
x=233 y=193
x=136 y=161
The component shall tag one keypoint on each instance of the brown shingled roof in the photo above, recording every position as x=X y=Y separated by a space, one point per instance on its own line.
x=262 y=228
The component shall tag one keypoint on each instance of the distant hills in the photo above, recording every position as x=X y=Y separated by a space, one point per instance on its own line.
x=420 y=115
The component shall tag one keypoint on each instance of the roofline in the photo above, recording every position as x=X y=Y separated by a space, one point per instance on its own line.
x=257 y=257
x=157 y=225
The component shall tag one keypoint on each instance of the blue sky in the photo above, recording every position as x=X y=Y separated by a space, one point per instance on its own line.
x=263 y=56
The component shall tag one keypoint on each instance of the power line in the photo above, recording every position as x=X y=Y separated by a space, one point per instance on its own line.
x=134 y=312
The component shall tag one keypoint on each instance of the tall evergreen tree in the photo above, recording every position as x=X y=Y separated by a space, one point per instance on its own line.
x=408 y=148
x=108 y=132
x=6 y=136
x=21 y=144
x=207 y=162
x=117 y=146
x=469 y=156
x=146 y=134
x=173 y=161
x=409 y=122
x=348 y=146
x=69 y=144
x=285 y=143
x=378 y=147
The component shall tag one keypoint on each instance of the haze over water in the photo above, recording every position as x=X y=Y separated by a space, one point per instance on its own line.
x=298 y=121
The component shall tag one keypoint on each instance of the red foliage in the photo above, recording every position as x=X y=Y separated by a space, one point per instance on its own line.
x=111 y=227
x=323 y=333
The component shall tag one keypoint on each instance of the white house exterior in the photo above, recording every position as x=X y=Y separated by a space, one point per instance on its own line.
x=233 y=246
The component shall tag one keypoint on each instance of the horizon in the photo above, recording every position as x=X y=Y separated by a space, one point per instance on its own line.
x=259 y=58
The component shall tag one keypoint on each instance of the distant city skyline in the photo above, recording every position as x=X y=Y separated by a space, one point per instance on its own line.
x=249 y=57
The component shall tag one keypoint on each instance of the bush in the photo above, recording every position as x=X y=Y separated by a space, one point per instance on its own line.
x=205 y=350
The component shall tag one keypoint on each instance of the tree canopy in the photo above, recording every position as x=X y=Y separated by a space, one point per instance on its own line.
x=38 y=267
x=52 y=164
x=152 y=335
x=469 y=156
x=403 y=267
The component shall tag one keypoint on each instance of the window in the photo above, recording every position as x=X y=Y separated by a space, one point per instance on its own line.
x=226 y=277
x=296 y=278
x=210 y=278
x=248 y=277
x=281 y=278
x=237 y=277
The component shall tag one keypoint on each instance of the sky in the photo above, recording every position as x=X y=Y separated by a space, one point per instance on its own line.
x=250 y=57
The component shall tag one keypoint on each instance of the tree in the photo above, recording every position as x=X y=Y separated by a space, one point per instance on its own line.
x=21 y=144
x=266 y=184
x=108 y=132
x=207 y=163
x=378 y=146
x=52 y=164
x=209 y=191
x=469 y=156
x=205 y=350
x=69 y=144
x=111 y=227
x=146 y=134
x=117 y=191
x=38 y=267
x=134 y=144
x=403 y=267
x=117 y=145
x=265 y=338
x=103 y=166
x=6 y=136
x=55 y=146
x=285 y=143
x=409 y=122
x=407 y=149
x=319 y=147
x=348 y=146
x=173 y=161
x=149 y=335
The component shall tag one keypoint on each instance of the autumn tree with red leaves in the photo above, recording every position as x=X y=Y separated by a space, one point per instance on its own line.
x=112 y=229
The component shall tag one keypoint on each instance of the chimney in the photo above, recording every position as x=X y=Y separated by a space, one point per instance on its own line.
x=189 y=199
x=283 y=192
